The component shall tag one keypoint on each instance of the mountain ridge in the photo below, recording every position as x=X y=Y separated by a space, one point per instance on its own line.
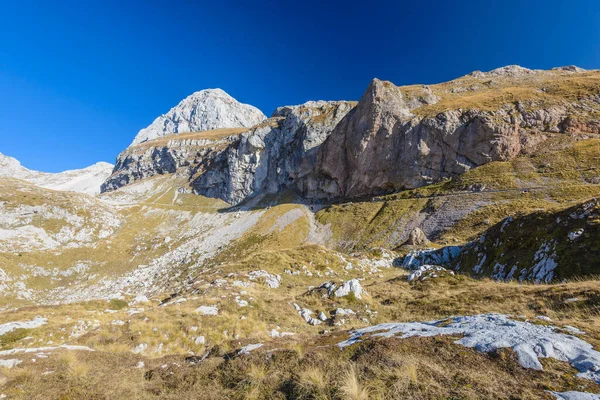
x=433 y=132
x=85 y=180
x=202 y=110
x=275 y=261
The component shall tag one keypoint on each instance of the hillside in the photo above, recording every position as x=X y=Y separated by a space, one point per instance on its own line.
x=87 y=180
x=425 y=242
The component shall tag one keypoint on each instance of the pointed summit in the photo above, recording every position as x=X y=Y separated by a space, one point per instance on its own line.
x=201 y=111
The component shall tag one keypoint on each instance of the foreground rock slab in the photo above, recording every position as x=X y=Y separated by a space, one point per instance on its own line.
x=489 y=332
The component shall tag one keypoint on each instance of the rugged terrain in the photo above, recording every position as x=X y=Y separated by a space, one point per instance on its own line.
x=86 y=180
x=432 y=241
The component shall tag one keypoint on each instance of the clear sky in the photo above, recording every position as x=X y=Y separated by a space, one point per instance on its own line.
x=78 y=79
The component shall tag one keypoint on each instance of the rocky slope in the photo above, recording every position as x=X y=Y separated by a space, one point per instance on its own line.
x=87 y=180
x=395 y=138
x=273 y=155
x=201 y=111
x=406 y=137
x=541 y=247
x=167 y=155
x=176 y=292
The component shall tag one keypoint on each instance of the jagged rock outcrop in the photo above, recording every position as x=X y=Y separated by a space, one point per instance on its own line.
x=176 y=155
x=201 y=111
x=417 y=238
x=85 y=180
x=395 y=138
x=541 y=247
x=390 y=142
x=382 y=146
x=273 y=155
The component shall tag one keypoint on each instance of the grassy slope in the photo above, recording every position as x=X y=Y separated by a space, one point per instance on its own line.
x=516 y=243
x=304 y=365
x=536 y=91
x=558 y=174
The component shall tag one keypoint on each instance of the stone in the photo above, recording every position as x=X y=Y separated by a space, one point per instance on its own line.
x=200 y=340
x=201 y=111
x=207 y=310
x=349 y=287
x=417 y=238
x=428 y=272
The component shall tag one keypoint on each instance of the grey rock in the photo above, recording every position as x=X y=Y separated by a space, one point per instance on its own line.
x=382 y=147
x=201 y=111
x=417 y=237
x=147 y=160
x=273 y=155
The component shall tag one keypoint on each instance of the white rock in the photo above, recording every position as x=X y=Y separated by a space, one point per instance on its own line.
x=571 y=300
x=351 y=286
x=488 y=332
x=140 y=298
x=575 y=234
x=11 y=326
x=240 y=302
x=571 y=395
x=247 y=349
x=9 y=363
x=426 y=272
x=207 y=310
x=273 y=281
x=200 y=340
x=322 y=316
x=574 y=330
x=201 y=111
x=140 y=348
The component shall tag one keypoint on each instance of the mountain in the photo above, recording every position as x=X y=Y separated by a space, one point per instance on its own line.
x=201 y=111
x=85 y=180
x=394 y=138
x=425 y=241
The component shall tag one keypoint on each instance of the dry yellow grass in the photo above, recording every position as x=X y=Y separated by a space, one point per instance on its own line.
x=214 y=134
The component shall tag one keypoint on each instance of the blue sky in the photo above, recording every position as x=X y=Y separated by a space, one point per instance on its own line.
x=78 y=79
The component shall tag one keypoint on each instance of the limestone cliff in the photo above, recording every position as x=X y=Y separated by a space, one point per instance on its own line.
x=201 y=111
x=273 y=155
x=394 y=138
x=406 y=137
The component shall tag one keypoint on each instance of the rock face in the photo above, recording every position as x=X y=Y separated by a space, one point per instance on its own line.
x=394 y=138
x=204 y=110
x=177 y=155
x=272 y=155
x=85 y=180
x=382 y=147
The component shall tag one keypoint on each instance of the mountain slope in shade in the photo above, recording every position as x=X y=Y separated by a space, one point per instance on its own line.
x=201 y=111
x=86 y=180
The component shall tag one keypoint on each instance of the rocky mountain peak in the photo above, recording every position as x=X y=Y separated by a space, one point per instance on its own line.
x=201 y=111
